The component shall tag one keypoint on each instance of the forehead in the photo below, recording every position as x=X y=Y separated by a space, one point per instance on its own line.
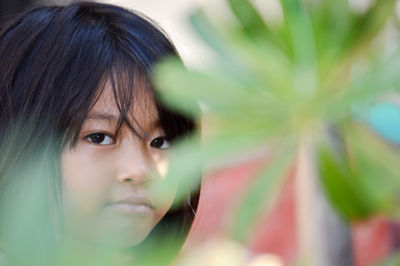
x=141 y=110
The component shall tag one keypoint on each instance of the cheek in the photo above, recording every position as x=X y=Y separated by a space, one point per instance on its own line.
x=85 y=181
x=163 y=196
x=165 y=203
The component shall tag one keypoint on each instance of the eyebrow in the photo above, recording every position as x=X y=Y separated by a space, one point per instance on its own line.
x=102 y=116
x=114 y=118
x=156 y=123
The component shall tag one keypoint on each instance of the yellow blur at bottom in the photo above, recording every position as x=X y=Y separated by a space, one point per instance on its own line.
x=225 y=252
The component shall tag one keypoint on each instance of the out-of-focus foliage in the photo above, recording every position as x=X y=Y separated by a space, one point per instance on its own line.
x=358 y=182
x=392 y=260
x=225 y=252
x=312 y=74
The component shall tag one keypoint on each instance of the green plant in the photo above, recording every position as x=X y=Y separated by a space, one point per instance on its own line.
x=298 y=85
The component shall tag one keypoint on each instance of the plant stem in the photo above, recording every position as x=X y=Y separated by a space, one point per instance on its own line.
x=323 y=237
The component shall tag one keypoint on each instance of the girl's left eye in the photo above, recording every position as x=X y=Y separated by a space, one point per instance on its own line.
x=100 y=139
x=159 y=143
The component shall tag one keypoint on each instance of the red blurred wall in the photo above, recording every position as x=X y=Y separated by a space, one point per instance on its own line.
x=275 y=231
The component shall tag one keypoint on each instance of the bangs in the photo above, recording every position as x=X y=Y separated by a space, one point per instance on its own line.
x=132 y=89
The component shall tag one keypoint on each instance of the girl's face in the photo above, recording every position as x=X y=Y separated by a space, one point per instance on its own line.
x=107 y=180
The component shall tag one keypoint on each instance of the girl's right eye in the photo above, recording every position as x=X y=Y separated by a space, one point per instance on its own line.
x=100 y=139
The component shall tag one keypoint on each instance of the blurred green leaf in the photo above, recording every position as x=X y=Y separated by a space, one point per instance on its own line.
x=251 y=21
x=381 y=78
x=369 y=25
x=391 y=260
x=341 y=185
x=358 y=183
x=261 y=194
x=299 y=26
x=210 y=35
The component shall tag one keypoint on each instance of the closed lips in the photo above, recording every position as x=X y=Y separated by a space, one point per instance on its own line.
x=133 y=203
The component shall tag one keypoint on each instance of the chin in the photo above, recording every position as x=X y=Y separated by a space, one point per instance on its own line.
x=125 y=234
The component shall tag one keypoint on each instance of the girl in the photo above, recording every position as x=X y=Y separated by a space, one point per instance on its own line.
x=83 y=140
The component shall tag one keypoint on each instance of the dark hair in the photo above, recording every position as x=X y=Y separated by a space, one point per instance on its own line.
x=54 y=63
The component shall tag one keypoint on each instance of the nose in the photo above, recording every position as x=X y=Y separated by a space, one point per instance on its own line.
x=133 y=163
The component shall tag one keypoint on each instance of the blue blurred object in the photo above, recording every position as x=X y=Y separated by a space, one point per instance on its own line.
x=384 y=118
